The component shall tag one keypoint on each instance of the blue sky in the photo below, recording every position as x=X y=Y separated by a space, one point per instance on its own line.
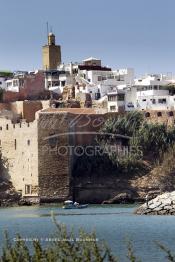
x=125 y=33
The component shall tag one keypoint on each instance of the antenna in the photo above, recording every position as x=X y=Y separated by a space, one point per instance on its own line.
x=51 y=29
x=47 y=25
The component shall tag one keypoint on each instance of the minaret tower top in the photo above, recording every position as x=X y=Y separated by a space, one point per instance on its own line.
x=51 y=53
x=51 y=39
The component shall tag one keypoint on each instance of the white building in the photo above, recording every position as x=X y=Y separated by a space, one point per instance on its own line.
x=56 y=80
x=154 y=93
x=2 y=82
x=95 y=73
x=98 y=80
x=116 y=101
x=12 y=85
x=52 y=81
x=4 y=76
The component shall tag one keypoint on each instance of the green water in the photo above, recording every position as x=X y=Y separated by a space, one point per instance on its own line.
x=115 y=224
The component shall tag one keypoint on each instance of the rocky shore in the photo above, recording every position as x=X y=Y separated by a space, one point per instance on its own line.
x=161 y=205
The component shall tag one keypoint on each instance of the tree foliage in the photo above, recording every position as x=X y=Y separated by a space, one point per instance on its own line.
x=144 y=138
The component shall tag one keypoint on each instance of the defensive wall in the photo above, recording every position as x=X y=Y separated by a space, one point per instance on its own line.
x=19 y=147
x=35 y=163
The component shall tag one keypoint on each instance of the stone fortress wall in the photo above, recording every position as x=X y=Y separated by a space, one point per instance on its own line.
x=31 y=148
x=53 y=169
x=167 y=117
x=58 y=133
x=19 y=146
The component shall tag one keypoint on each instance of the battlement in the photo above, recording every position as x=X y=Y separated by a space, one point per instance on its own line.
x=7 y=124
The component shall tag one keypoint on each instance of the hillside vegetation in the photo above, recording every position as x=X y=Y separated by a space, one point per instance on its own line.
x=149 y=167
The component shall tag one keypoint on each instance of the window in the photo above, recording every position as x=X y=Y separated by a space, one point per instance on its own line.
x=28 y=189
x=7 y=127
x=28 y=142
x=155 y=87
x=112 y=98
x=15 y=82
x=112 y=108
x=143 y=100
x=97 y=96
x=15 y=144
x=63 y=83
x=121 y=97
x=56 y=83
x=159 y=114
x=153 y=101
x=162 y=101
x=9 y=84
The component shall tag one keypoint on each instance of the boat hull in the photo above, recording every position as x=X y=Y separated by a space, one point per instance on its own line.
x=75 y=207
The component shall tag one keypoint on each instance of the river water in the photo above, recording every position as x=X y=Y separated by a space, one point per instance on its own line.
x=116 y=224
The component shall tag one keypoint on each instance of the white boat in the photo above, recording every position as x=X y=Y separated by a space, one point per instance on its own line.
x=69 y=204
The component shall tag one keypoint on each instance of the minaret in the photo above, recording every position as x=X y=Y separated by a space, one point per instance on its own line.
x=51 y=53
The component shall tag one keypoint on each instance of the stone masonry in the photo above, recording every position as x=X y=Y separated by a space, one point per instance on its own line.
x=19 y=149
x=38 y=162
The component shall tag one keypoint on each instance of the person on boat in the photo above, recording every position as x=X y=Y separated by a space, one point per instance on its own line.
x=147 y=199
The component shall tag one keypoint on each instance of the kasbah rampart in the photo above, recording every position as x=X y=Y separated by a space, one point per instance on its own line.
x=33 y=131
x=31 y=148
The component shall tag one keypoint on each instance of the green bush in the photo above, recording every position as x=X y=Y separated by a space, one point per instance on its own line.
x=146 y=138
x=155 y=138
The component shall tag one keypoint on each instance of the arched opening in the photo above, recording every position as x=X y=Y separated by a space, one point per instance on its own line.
x=170 y=113
x=159 y=114
x=147 y=114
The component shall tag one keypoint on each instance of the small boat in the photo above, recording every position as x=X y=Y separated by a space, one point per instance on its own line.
x=68 y=204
